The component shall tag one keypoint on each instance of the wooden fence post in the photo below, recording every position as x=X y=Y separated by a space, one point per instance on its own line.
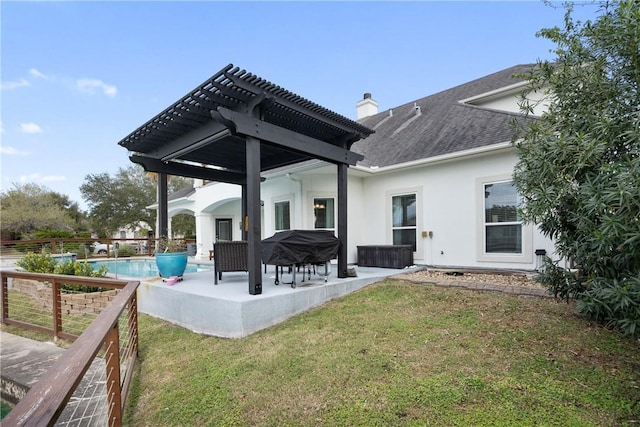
x=112 y=358
x=57 y=308
x=4 y=294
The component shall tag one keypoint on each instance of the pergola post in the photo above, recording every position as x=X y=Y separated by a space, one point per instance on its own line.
x=163 y=206
x=251 y=223
x=245 y=213
x=342 y=220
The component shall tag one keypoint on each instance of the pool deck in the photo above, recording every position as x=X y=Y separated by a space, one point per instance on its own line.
x=24 y=361
x=228 y=310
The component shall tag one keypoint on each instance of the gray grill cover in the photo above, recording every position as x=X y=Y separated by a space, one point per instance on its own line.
x=300 y=247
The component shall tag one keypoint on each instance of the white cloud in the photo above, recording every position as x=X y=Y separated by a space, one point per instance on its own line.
x=14 y=85
x=11 y=151
x=30 y=128
x=36 y=73
x=91 y=86
x=39 y=179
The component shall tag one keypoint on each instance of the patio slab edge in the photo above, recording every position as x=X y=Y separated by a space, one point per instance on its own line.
x=215 y=312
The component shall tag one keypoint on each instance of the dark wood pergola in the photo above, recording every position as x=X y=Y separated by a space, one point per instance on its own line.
x=231 y=128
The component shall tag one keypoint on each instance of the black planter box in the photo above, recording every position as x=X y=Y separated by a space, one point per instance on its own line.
x=386 y=256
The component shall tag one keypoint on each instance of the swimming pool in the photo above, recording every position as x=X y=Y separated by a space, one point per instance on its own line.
x=140 y=267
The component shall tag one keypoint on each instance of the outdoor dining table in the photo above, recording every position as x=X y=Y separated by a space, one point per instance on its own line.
x=300 y=248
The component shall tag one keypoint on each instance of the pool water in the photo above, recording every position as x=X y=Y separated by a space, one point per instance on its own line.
x=5 y=408
x=141 y=267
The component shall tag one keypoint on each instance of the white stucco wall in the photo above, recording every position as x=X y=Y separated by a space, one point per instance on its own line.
x=449 y=205
x=447 y=198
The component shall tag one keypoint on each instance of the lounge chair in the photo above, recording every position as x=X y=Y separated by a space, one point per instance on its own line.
x=229 y=256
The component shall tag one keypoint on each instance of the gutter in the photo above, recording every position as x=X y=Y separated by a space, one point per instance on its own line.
x=436 y=159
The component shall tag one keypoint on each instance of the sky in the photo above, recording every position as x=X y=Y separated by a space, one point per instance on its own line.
x=79 y=76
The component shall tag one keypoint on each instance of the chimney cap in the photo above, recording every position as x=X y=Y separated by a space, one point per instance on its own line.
x=367 y=95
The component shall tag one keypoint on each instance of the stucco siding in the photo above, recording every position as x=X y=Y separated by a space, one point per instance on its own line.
x=447 y=210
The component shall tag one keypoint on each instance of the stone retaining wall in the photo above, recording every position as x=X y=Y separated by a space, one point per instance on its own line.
x=72 y=303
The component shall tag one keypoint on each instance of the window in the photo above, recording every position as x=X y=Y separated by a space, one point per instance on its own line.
x=282 y=215
x=403 y=212
x=324 y=212
x=502 y=223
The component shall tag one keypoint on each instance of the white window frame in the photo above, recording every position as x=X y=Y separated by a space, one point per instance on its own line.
x=417 y=191
x=312 y=222
x=526 y=256
x=275 y=222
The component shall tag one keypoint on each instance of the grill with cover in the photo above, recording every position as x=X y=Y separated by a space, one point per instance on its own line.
x=299 y=248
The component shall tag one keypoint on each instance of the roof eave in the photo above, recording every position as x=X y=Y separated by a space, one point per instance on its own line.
x=458 y=155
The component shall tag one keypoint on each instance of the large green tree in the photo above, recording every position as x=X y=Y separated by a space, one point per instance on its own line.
x=121 y=200
x=579 y=167
x=27 y=208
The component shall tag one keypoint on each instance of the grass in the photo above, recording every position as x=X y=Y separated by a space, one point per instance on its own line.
x=395 y=353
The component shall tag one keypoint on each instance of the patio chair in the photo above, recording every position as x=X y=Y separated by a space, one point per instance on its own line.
x=229 y=256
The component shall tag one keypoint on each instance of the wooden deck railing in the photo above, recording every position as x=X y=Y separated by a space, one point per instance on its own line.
x=112 y=338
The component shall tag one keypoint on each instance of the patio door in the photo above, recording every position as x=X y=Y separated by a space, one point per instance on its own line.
x=224 y=229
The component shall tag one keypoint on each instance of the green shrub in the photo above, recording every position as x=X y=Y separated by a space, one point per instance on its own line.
x=37 y=263
x=44 y=263
x=57 y=234
x=126 y=250
x=66 y=268
x=79 y=268
x=84 y=269
x=561 y=282
x=614 y=302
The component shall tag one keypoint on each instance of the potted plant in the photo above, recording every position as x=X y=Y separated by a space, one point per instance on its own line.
x=171 y=258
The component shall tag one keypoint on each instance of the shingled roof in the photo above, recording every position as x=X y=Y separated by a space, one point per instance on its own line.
x=444 y=125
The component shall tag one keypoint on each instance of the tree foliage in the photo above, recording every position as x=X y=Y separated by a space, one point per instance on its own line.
x=183 y=225
x=121 y=200
x=579 y=167
x=27 y=208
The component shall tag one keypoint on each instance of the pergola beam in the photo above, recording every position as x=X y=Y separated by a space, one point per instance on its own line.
x=248 y=126
x=197 y=138
x=190 y=171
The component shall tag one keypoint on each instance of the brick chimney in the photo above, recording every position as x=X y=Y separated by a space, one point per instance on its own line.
x=367 y=107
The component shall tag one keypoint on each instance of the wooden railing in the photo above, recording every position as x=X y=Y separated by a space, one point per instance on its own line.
x=111 y=339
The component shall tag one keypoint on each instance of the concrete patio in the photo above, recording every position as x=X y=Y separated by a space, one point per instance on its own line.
x=228 y=310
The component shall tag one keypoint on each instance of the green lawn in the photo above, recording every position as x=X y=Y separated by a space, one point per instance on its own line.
x=394 y=353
